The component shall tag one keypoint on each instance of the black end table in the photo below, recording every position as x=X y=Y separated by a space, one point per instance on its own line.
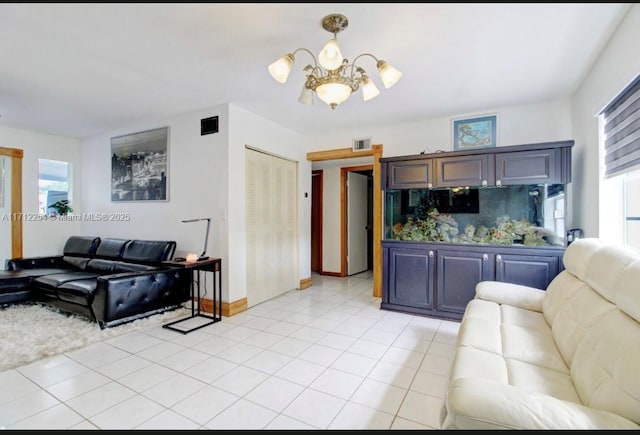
x=196 y=268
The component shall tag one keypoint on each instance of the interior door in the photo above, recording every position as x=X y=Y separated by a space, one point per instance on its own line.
x=357 y=223
x=260 y=238
x=272 y=226
x=5 y=210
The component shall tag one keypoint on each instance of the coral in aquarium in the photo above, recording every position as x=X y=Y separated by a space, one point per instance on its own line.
x=433 y=226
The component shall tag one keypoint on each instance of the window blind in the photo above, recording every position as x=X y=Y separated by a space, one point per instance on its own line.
x=622 y=131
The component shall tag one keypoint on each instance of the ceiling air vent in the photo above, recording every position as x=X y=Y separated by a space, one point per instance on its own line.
x=362 y=144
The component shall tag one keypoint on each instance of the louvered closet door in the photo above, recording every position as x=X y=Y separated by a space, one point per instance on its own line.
x=272 y=226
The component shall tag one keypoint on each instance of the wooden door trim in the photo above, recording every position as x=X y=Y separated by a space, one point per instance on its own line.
x=376 y=152
x=16 y=199
x=343 y=212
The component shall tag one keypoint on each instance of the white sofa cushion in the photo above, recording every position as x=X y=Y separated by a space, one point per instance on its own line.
x=605 y=269
x=575 y=317
x=577 y=255
x=606 y=363
x=510 y=294
x=476 y=403
x=628 y=295
x=561 y=289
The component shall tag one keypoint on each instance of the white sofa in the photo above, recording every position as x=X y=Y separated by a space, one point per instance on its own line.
x=564 y=358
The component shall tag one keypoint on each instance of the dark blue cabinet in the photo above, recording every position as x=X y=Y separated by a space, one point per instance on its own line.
x=410 y=277
x=439 y=279
x=457 y=274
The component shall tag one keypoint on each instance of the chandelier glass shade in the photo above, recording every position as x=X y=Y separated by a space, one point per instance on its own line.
x=331 y=76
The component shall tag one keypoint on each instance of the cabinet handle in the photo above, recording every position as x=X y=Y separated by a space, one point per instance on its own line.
x=498 y=183
x=430 y=253
x=484 y=183
x=498 y=258
x=485 y=257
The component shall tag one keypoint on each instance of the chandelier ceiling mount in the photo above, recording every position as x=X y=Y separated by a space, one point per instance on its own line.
x=331 y=76
x=335 y=23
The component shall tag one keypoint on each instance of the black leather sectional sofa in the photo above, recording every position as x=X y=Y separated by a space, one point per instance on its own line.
x=110 y=280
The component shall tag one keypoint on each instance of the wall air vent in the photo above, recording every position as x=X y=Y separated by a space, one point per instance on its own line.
x=208 y=125
x=362 y=144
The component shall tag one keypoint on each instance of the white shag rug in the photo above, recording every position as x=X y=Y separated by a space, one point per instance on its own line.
x=29 y=332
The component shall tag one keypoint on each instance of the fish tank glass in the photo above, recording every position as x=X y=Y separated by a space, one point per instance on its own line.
x=531 y=215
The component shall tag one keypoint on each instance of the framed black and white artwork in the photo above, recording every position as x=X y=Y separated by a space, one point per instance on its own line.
x=139 y=166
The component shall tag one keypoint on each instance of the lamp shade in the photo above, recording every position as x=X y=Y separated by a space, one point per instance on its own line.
x=388 y=74
x=330 y=57
x=281 y=68
x=369 y=89
x=306 y=96
x=333 y=93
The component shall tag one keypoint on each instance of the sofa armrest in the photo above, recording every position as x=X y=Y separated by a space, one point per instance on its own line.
x=133 y=294
x=54 y=261
x=517 y=295
x=481 y=404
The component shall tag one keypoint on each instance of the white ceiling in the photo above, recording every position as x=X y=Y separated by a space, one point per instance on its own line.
x=86 y=69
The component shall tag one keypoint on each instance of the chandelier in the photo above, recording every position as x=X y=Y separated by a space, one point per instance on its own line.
x=335 y=79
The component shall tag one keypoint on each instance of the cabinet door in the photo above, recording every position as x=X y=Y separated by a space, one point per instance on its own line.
x=458 y=273
x=414 y=174
x=474 y=170
x=531 y=270
x=529 y=167
x=410 y=277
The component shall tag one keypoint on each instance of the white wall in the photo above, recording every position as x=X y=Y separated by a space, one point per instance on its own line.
x=248 y=129
x=197 y=188
x=614 y=69
x=543 y=122
x=41 y=238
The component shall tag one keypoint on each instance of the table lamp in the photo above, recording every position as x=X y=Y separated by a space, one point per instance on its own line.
x=202 y=256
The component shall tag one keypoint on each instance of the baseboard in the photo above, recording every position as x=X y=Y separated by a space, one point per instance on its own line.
x=235 y=307
x=305 y=283
x=228 y=309
x=338 y=274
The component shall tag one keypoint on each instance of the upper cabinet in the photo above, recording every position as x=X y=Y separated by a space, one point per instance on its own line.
x=548 y=163
x=412 y=174
x=473 y=170
x=532 y=167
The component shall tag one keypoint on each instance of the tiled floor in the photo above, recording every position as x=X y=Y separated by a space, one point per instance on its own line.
x=326 y=357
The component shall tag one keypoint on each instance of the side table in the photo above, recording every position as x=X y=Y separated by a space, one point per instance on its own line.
x=196 y=269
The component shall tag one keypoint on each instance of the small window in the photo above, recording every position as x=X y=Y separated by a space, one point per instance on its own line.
x=54 y=183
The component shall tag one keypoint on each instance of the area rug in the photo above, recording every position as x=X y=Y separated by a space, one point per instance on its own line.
x=29 y=332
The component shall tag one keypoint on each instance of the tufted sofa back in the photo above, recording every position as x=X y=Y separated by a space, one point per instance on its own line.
x=593 y=308
x=148 y=251
x=112 y=255
x=78 y=250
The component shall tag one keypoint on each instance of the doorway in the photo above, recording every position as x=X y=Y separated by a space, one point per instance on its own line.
x=357 y=219
x=316 y=220
x=376 y=153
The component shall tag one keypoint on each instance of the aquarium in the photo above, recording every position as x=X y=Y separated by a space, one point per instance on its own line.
x=532 y=215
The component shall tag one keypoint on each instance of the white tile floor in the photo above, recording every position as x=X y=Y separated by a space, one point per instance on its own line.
x=322 y=358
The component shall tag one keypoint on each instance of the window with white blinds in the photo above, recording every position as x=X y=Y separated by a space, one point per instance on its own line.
x=622 y=131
